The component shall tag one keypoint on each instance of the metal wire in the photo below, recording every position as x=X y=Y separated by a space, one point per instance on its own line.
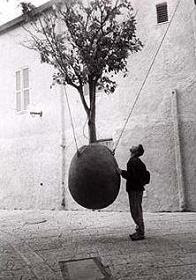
x=145 y=79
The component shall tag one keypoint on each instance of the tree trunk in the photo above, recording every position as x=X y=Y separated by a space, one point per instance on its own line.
x=92 y=128
x=92 y=112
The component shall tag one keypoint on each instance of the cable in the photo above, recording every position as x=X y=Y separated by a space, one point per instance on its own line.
x=71 y=118
x=147 y=74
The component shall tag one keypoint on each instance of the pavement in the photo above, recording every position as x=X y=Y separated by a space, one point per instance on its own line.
x=39 y=245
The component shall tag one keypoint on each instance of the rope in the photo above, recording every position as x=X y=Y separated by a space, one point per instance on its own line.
x=71 y=118
x=145 y=79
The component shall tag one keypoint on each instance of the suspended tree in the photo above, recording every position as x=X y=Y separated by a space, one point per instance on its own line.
x=87 y=43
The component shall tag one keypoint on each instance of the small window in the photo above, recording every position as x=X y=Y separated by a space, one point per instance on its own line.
x=162 y=14
x=22 y=89
x=108 y=142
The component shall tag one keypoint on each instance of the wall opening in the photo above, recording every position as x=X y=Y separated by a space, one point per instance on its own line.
x=162 y=13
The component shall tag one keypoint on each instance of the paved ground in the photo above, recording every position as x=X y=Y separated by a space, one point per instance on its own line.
x=33 y=243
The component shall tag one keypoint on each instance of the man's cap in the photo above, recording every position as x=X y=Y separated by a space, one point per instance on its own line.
x=139 y=150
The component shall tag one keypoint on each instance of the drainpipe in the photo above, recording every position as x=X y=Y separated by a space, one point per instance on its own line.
x=63 y=146
x=178 y=157
x=63 y=139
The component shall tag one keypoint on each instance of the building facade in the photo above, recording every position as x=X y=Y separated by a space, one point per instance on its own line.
x=36 y=137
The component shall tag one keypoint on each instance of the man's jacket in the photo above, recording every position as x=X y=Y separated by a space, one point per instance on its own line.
x=134 y=174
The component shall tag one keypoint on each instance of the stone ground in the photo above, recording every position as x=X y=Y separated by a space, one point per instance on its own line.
x=33 y=243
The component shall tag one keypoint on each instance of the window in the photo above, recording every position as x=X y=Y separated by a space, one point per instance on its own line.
x=162 y=14
x=22 y=89
x=107 y=142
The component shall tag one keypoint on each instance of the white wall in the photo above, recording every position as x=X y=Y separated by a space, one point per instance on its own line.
x=30 y=147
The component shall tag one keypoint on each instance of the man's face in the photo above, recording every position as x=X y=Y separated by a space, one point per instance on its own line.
x=133 y=150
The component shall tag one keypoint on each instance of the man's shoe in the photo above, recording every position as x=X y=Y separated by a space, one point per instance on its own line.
x=136 y=237
x=133 y=235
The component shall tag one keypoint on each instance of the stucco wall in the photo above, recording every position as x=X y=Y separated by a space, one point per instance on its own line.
x=31 y=150
x=30 y=153
x=173 y=68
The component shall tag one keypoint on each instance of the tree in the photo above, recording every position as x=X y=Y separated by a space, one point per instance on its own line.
x=93 y=45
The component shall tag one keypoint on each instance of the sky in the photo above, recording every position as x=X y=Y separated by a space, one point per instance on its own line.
x=9 y=9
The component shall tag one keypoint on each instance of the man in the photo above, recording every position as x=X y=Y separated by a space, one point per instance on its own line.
x=135 y=176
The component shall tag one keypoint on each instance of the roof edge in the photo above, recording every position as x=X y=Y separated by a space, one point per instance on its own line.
x=22 y=19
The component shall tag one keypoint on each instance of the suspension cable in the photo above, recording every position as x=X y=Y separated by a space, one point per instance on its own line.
x=71 y=118
x=145 y=79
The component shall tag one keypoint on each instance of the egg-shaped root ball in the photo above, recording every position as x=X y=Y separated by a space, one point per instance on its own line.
x=94 y=180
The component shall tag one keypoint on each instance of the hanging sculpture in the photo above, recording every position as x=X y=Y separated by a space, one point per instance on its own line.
x=94 y=181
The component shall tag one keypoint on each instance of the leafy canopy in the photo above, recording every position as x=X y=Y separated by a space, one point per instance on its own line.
x=85 y=42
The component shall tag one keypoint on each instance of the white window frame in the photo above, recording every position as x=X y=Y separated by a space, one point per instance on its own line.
x=21 y=89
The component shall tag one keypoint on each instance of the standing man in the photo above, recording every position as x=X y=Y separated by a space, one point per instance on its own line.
x=137 y=176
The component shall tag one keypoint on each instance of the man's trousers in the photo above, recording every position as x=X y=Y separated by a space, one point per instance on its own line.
x=135 y=202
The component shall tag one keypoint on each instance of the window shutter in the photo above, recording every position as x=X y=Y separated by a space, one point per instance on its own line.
x=18 y=81
x=25 y=88
x=162 y=14
x=18 y=101
x=22 y=89
x=18 y=91
x=26 y=98
x=25 y=78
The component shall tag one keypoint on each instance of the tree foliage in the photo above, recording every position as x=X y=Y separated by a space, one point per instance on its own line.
x=86 y=44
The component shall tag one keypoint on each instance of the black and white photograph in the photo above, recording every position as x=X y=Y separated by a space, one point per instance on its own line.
x=97 y=139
